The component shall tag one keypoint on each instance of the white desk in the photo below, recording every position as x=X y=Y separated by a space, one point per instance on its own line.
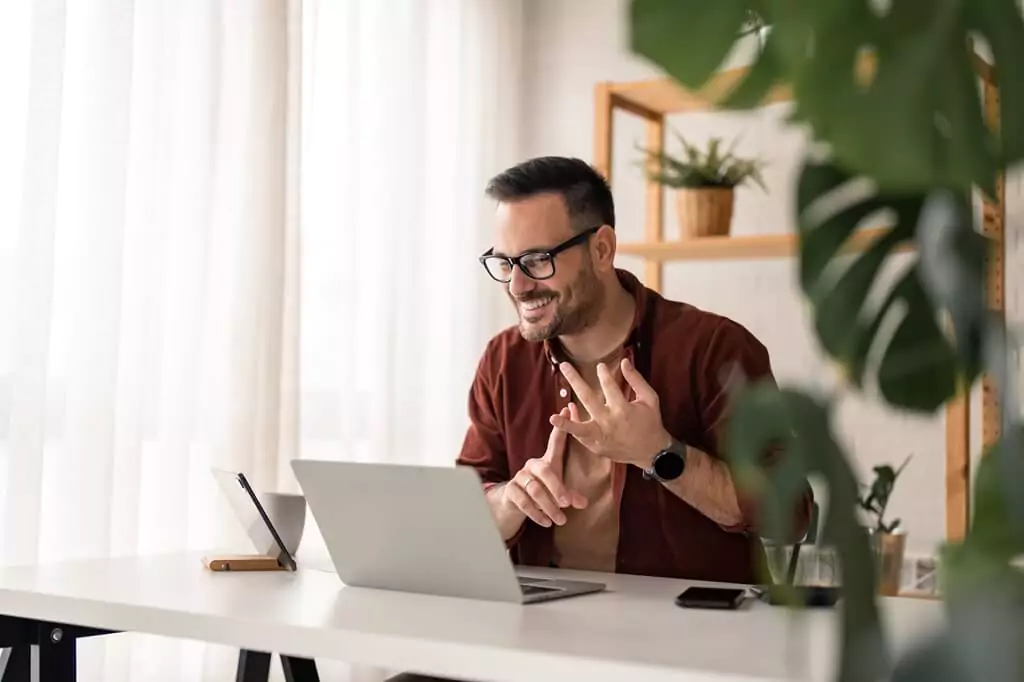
x=632 y=632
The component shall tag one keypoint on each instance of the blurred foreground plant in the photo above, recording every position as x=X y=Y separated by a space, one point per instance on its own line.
x=890 y=94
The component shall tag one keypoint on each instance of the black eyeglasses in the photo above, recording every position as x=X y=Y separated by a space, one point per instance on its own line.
x=534 y=264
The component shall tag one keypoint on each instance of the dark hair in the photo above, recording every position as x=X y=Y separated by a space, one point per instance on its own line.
x=586 y=193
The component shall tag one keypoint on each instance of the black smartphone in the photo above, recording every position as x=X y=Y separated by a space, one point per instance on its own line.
x=711 y=598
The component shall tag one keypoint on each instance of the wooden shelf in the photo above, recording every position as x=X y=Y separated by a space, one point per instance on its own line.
x=739 y=247
x=653 y=99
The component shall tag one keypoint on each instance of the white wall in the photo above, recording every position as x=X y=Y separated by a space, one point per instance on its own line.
x=573 y=44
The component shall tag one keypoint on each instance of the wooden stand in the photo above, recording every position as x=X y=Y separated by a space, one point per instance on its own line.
x=243 y=562
x=653 y=100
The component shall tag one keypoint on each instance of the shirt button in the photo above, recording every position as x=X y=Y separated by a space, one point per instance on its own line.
x=563 y=393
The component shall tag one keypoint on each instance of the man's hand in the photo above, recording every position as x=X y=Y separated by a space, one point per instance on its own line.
x=628 y=431
x=537 y=490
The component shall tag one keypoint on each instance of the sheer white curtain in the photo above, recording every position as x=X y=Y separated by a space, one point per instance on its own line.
x=150 y=162
x=148 y=278
x=408 y=108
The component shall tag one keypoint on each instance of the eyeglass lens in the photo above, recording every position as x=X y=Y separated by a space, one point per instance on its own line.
x=536 y=265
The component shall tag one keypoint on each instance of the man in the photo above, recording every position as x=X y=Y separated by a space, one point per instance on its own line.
x=596 y=421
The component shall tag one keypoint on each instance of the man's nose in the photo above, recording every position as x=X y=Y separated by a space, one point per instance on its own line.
x=520 y=283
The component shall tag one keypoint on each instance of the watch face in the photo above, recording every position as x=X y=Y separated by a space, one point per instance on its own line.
x=669 y=465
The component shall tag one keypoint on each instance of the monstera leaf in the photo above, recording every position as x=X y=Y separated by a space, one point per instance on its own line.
x=982 y=580
x=993 y=527
x=920 y=365
x=688 y=38
x=984 y=594
x=919 y=91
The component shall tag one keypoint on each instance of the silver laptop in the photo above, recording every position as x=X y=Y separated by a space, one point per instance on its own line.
x=420 y=529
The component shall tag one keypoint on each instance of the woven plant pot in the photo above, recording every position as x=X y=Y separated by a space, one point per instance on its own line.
x=704 y=211
x=889 y=550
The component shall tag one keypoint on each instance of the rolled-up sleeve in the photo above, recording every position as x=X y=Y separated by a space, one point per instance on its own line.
x=733 y=348
x=483 y=447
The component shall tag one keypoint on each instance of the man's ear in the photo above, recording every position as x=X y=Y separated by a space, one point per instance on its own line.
x=603 y=248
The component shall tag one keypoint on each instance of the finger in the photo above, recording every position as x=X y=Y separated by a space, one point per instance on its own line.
x=586 y=395
x=541 y=494
x=551 y=480
x=612 y=393
x=524 y=503
x=643 y=390
x=543 y=498
x=577 y=500
x=587 y=430
x=555 y=454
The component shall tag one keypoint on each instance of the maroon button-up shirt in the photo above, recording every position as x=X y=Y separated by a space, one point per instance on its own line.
x=683 y=353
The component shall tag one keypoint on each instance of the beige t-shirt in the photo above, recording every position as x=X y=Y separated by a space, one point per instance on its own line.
x=589 y=538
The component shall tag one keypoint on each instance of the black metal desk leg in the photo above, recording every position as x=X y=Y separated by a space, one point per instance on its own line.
x=253 y=666
x=17 y=664
x=57 y=657
x=299 y=669
x=41 y=650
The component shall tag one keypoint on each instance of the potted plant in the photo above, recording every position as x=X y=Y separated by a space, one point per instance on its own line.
x=888 y=540
x=704 y=183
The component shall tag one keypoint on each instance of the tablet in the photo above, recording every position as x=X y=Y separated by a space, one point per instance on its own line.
x=253 y=517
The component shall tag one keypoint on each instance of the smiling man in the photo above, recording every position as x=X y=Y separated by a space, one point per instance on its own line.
x=595 y=423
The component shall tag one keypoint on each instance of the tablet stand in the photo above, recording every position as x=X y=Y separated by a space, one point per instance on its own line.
x=243 y=562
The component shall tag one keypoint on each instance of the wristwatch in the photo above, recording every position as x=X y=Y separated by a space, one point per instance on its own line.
x=668 y=464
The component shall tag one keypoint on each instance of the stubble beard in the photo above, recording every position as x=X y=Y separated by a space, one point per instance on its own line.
x=586 y=296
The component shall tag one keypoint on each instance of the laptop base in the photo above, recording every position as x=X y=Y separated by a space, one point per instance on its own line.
x=547 y=589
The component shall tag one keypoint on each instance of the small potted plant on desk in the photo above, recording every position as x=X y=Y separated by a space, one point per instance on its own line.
x=888 y=540
x=704 y=184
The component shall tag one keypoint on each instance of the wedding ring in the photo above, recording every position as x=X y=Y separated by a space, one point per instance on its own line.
x=527 y=482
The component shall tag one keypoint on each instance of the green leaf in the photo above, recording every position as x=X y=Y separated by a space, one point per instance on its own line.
x=878 y=494
x=702 y=169
x=918 y=370
x=688 y=39
x=919 y=366
x=819 y=247
x=933 y=660
x=924 y=97
x=967 y=147
x=952 y=266
x=988 y=629
x=758 y=82
x=993 y=530
x=819 y=44
x=1010 y=453
x=766 y=416
x=917 y=123
x=1000 y=22
x=984 y=594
